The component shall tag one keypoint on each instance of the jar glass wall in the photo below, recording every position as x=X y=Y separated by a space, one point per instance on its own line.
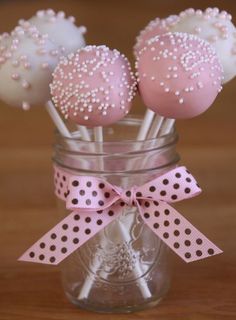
x=125 y=266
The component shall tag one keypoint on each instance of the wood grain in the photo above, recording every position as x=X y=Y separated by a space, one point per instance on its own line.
x=200 y=291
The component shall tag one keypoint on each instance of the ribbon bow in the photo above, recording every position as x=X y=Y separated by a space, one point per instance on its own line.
x=95 y=203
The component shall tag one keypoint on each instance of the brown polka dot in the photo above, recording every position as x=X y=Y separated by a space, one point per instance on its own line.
x=199 y=241
x=101 y=203
x=177 y=221
x=53 y=236
x=74 y=201
x=174 y=197
x=32 y=254
x=128 y=193
x=165 y=181
x=75 y=240
x=87 y=231
x=122 y=204
x=64 y=238
x=188 y=180
x=166 y=235
x=110 y=213
x=176 y=245
x=163 y=193
x=178 y=175
x=100 y=211
x=152 y=189
x=94 y=193
x=75 y=183
x=76 y=229
x=42 y=245
x=146 y=215
x=167 y=212
x=41 y=257
x=61 y=185
x=88 y=202
x=64 y=178
x=157 y=213
x=59 y=191
x=156 y=225
x=64 y=250
x=89 y=184
x=147 y=204
x=187 y=243
x=187 y=231
x=76 y=217
x=99 y=222
x=199 y=253
x=107 y=195
x=187 y=255
x=101 y=185
x=176 y=233
x=52 y=259
x=156 y=203
x=211 y=251
x=166 y=223
x=187 y=190
x=176 y=186
x=65 y=226
x=58 y=174
x=52 y=248
x=82 y=192
x=138 y=194
x=87 y=219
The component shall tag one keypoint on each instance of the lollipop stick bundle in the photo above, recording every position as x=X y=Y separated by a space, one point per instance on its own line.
x=181 y=64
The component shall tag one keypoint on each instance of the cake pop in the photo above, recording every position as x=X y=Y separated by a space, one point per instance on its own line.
x=215 y=27
x=94 y=86
x=179 y=75
x=154 y=28
x=61 y=30
x=27 y=59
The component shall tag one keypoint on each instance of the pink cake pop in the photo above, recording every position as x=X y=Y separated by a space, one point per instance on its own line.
x=179 y=75
x=154 y=28
x=94 y=86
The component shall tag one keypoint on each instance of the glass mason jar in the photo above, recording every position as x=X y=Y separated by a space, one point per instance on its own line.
x=124 y=267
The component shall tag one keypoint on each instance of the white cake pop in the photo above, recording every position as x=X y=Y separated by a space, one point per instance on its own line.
x=61 y=30
x=27 y=60
x=215 y=27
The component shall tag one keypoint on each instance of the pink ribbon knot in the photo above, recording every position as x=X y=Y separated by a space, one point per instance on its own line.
x=94 y=203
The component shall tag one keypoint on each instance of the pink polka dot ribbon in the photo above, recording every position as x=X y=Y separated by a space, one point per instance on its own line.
x=94 y=203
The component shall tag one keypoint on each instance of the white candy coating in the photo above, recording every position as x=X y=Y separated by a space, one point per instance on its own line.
x=61 y=30
x=215 y=27
x=27 y=60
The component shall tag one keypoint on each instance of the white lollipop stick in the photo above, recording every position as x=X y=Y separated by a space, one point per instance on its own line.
x=155 y=127
x=166 y=127
x=84 y=133
x=145 y=126
x=98 y=137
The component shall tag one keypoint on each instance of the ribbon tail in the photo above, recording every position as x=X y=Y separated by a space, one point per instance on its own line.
x=68 y=235
x=176 y=231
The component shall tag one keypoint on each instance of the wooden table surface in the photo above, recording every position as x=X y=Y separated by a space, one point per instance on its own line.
x=203 y=290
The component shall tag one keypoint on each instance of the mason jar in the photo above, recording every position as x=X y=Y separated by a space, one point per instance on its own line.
x=124 y=267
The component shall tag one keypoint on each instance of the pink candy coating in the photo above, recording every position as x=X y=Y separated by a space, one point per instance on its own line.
x=94 y=86
x=179 y=75
x=154 y=28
